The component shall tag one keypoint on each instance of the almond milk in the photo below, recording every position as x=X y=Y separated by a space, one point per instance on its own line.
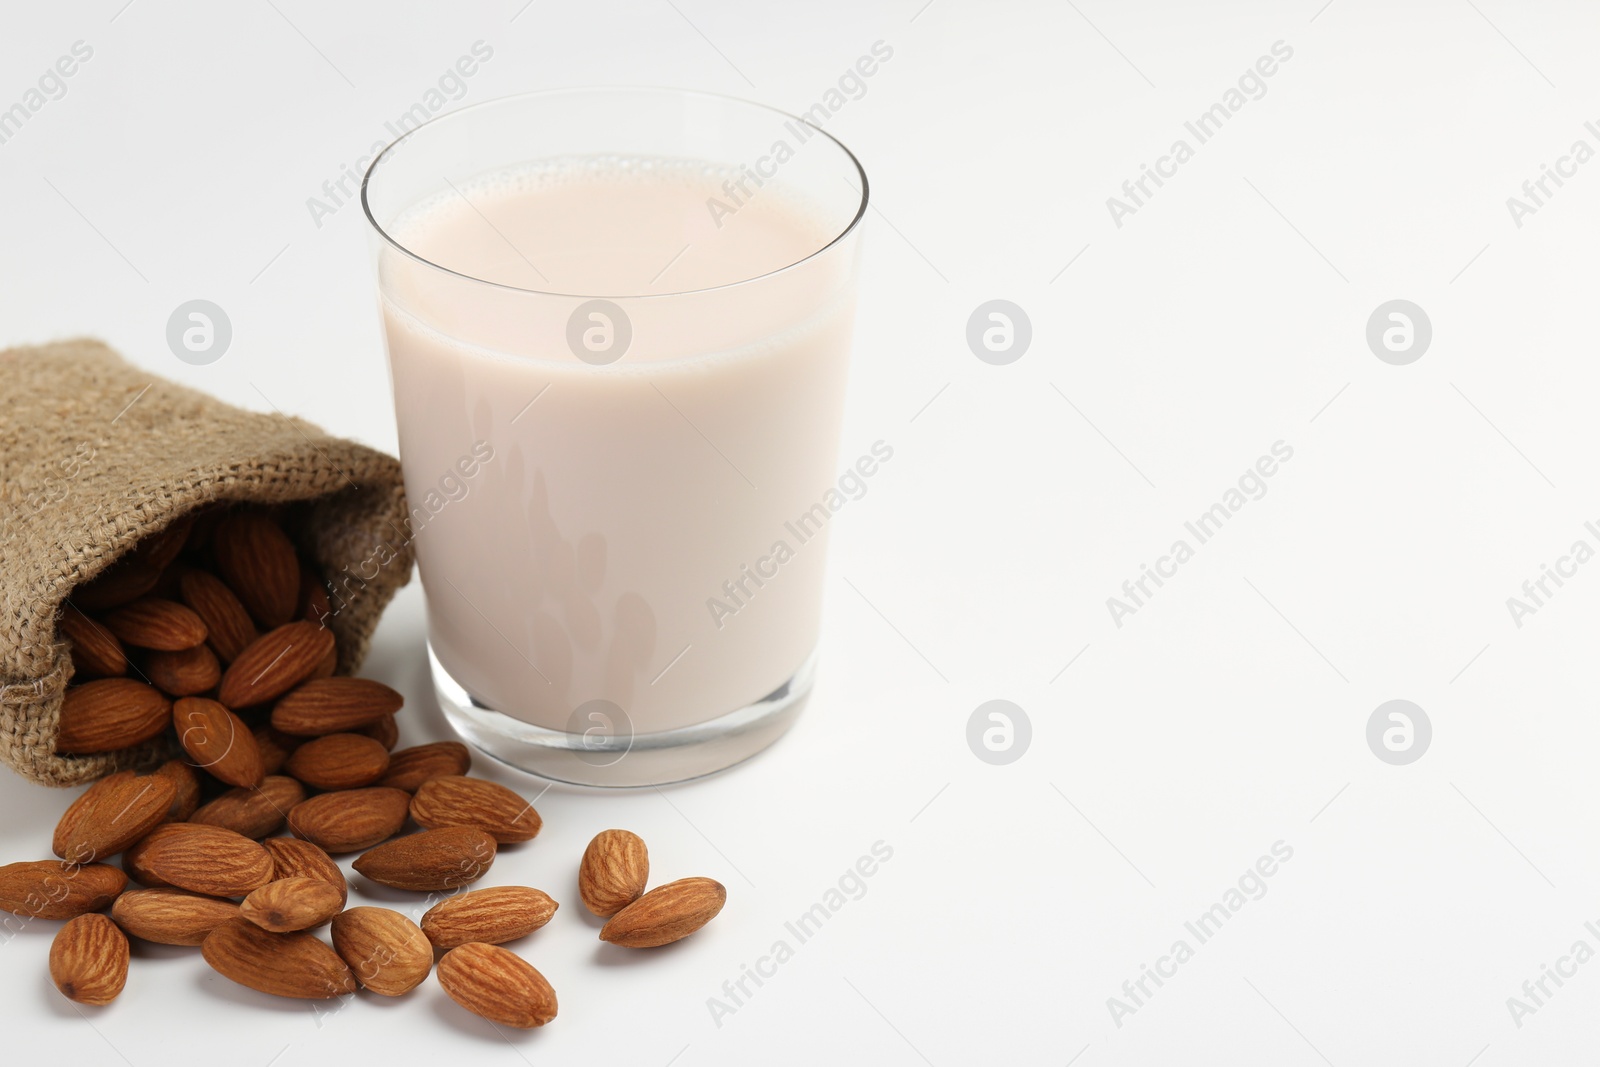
x=587 y=518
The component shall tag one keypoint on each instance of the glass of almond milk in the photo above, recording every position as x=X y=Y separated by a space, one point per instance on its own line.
x=618 y=327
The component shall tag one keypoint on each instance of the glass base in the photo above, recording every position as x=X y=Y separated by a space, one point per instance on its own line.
x=620 y=757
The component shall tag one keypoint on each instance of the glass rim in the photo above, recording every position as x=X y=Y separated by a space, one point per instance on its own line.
x=398 y=246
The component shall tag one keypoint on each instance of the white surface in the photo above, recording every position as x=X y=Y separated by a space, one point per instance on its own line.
x=1196 y=335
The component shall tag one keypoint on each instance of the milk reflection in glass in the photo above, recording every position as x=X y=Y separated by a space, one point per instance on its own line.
x=643 y=531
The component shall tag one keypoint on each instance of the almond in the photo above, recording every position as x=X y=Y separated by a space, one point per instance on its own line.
x=491 y=916
x=455 y=800
x=410 y=767
x=151 y=622
x=615 y=870
x=314 y=605
x=110 y=714
x=218 y=741
x=385 y=731
x=203 y=859
x=284 y=965
x=275 y=747
x=349 y=821
x=273 y=664
x=228 y=626
x=184 y=673
x=432 y=861
x=385 y=949
x=125 y=581
x=253 y=811
x=159 y=549
x=89 y=960
x=666 y=914
x=334 y=706
x=497 y=984
x=112 y=814
x=327 y=665
x=133 y=857
x=187 y=784
x=289 y=904
x=257 y=559
x=95 y=650
x=294 y=858
x=170 y=916
x=49 y=889
x=339 y=761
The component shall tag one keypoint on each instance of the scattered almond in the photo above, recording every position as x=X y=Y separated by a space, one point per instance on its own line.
x=294 y=858
x=334 y=705
x=95 y=650
x=497 y=984
x=218 y=741
x=289 y=904
x=253 y=811
x=203 y=859
x=274 y=747
x=273 y=664
x=257 y=560
x=170 y=916
x=339 y=761
x=666 y=914
x=410 y=767
x=186 y=782
x=49 y=889
x=154 y=623
x=456 y=800
x=432 y=861
x=110 y=714
x=89 y=960
x=385 y=731
x=246 y=706
x=614 y=872
x=350 y=821
x=111 y=815
x=184 y=673
x=133 y=857
x=387 y=952
x=491 y=916
x=228 y=627
x=285 y=965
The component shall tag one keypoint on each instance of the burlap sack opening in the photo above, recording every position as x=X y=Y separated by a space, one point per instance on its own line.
x=96 y=454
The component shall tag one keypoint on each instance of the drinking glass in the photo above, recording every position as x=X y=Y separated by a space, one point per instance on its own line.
x=620 y=493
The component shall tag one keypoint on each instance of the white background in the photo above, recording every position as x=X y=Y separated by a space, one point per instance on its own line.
x=1167 y=755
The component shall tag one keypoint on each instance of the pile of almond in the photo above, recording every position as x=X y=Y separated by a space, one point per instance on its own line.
x=223 y=631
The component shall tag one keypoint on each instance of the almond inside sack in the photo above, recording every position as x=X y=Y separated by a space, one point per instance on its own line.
x=98 y=457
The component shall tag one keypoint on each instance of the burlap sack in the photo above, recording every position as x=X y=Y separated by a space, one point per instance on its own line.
x=96 y=454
